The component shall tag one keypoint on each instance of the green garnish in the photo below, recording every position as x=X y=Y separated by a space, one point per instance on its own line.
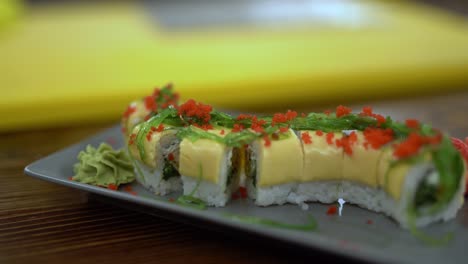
x=425 y=238
x=191 y=201
x=449 y=164
x=195 y=133
x=146 y=127
x=310 y=226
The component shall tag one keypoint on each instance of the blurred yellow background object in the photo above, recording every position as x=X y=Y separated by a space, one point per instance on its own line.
x=9 y=11
x=71 y=63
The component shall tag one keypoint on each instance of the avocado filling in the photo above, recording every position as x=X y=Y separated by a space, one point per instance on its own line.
x=427 y=192
x=169 y=170
x=234 y=166
x=251 y=165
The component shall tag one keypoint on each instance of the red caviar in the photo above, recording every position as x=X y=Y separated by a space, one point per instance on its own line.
x=160 y=128
x=283 y=118
x=284 y=129
x=243 y=116
x=332 y=210
x=377 y=137
x=243 y=192
x=150 y=103
x=161 y=98
x=330 y=136
x=342 y=111
x=194 y=110
x=112 y=187
x=306 y=138
x=149 y=135
x=130 y=110
x=413 y=144
x=412 y=123
x=257 y=125
x=132 y=139
x=319 y=133
x=203 y=126
x=367 y=111
x=237 y=128
x=267 y=141
x=170 y=157
x=347 y=142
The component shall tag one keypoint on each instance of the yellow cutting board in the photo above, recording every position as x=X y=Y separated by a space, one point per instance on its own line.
x=70 y=64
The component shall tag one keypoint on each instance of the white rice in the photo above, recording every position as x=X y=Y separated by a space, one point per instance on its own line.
x=265 y=196
x=152 y=180
x=318 y=191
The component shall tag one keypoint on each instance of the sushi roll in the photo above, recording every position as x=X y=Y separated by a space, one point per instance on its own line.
x=273 y=168
x=209 y=168
x=409 y=171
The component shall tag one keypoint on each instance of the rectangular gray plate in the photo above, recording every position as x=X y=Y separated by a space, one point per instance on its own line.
x=358 y=233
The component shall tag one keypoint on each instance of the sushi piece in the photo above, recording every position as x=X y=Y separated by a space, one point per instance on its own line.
x=210 y=169
x=133 y=115
x=141 y=110
x=359 y=176
x=422 y=190
x=273 y=168
x=156 y=154
x=321 y=178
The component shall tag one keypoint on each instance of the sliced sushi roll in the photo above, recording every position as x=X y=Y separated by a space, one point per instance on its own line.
x=156 y=155
x=426 y=188
x=273 y=168
x=321 y=177
x=359 y=176
x=209 y=168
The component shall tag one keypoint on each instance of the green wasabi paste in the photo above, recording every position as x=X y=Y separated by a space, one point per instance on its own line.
x=103 y=166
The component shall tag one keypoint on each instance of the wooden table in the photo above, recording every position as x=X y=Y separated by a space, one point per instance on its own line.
x=43 y=222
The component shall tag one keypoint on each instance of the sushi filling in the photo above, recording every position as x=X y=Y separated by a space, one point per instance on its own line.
x=234 y=165
x=169 y=170
x=170 y=150
x=251 y=165
x=427 y=193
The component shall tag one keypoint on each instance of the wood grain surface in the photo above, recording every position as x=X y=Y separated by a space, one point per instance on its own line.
x=41 y=222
